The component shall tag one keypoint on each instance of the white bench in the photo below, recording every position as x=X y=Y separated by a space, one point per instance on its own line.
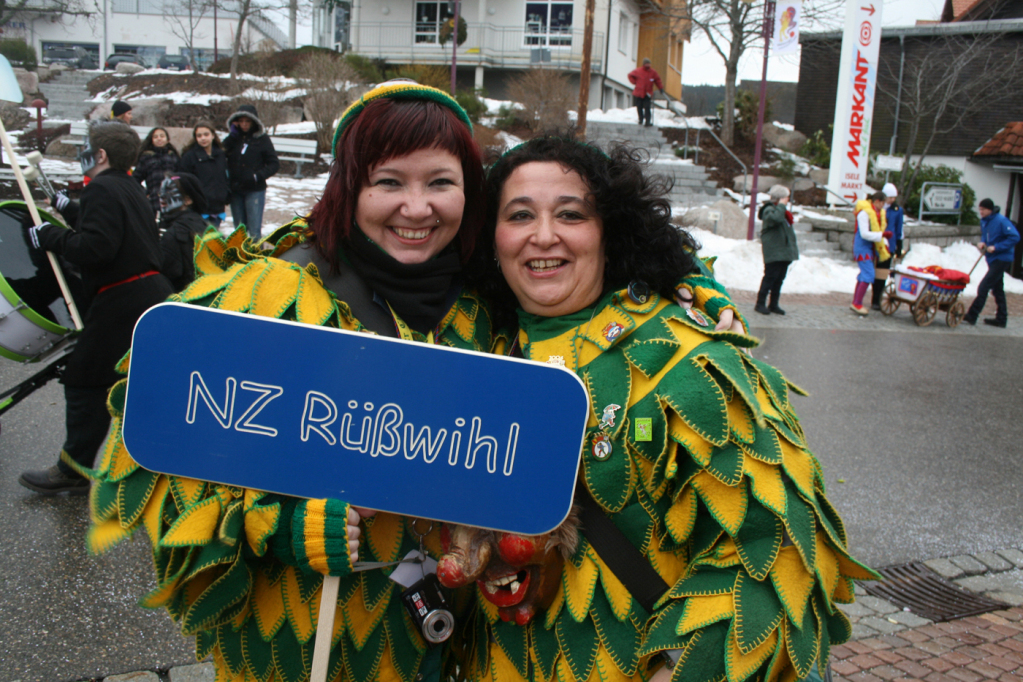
x=288 y=148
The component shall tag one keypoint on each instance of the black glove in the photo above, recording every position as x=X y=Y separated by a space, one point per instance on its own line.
x=33 y=234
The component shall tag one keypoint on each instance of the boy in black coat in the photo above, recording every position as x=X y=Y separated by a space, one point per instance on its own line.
x=114 y=242
x=182 y=203
x=251 y=159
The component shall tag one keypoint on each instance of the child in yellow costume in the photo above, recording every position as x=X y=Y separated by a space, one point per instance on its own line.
x=868 y=243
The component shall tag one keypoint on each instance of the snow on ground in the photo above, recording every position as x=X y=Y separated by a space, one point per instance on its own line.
x=662 y=118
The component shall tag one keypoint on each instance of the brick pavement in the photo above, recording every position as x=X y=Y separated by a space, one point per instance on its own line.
x=974 y=649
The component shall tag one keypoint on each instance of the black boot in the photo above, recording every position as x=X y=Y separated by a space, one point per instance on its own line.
x=876 y=293
x=774 y=305
x=762 y=297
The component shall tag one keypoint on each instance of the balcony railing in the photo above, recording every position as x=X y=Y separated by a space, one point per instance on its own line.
x=485 y=44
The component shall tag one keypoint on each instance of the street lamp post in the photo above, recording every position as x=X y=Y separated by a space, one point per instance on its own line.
x=768 y=31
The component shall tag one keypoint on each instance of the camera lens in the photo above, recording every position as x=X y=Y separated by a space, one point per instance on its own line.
x=438 y=626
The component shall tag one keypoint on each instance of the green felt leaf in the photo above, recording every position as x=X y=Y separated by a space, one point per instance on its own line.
x=376 y=585
x=787 y=433
x=362 y=665
x=661 y=634
x=838 y=626
x=697 y=398
x=656 y=326
x=729 y=362
x=824 y=648
x=776 y=384
x=634 y=521
x=230 y=647
x=765 y=445
x=802 y=643
x=705 y=581
x=799 y=522
x=609 y=381
x=649 y=408
x=133 y=494
x=579 y=644
x=726 y=464
x=291 y=659
x=758 y=611
x=544 y=645
x=308 y=583
x=205 y=640
x=611 y=481
x=210 y=555
x=258 y=656
x=727 y=389
x=482 y=646
x=404 y=654
x=706 y=532
x=224 y=592
x=759 y=539
x=513 y=640
x=621 y=639
x=703 y=660
x=650 y=357
x=103 y=498
x=833 y=524
x=231 y=526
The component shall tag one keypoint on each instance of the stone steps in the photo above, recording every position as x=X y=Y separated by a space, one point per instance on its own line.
x=67 y=95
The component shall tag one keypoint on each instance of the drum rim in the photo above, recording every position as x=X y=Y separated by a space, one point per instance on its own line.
x=12 y=297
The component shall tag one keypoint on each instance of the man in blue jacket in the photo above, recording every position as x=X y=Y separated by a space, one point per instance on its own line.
x=998 y=237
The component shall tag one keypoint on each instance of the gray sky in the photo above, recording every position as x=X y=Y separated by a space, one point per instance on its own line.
x=702 y=65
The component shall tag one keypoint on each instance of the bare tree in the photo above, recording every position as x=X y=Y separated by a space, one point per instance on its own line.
x=183 y=18
x=544 y=95
x=952 y=79
x=732 y=27
x=331 y=85
x=48 y=8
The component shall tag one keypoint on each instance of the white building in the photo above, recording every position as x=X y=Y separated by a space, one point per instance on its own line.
x=506 y=36
x=148 y=28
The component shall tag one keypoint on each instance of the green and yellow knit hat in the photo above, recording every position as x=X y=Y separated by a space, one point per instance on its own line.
x=399 y=89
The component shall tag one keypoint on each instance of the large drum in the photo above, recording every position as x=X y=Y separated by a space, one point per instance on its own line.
x=34 y=318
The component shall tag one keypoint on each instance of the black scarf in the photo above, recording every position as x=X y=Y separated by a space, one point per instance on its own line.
x=419 y=292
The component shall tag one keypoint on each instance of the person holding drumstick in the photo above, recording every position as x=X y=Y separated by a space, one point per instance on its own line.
x=115 y=243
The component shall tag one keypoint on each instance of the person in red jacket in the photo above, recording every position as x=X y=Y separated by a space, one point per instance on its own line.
x=645 y=79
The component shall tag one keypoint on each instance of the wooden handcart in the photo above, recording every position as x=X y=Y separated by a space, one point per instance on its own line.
x=925 y=294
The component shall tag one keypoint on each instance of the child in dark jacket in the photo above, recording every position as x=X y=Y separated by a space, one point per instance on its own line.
x=182 y=204
x=157 y=157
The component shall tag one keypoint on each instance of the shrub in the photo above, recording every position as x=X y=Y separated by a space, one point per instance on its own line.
x=435 y=76
x=910 y=197
x=473 y=104
x=747 y=107
x=507 y=117
x=19 y=53
x=369 y=70
x=785 y=168
x=330 y=87
x=816 y=150
x=545 y=97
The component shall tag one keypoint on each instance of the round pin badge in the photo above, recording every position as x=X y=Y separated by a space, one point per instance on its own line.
x=697 y=317
x=601 y=447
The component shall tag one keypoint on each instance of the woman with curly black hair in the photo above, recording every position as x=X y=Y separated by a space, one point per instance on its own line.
x=697 y=500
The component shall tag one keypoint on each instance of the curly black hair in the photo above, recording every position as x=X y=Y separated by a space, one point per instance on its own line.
x=640 y=241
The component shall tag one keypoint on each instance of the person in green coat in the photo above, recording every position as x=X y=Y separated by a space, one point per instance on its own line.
x=778 y=240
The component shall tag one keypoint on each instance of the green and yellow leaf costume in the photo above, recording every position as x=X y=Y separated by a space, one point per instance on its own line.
x=711 y=479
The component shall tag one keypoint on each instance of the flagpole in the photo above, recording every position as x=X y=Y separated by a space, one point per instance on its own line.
x=768 y=31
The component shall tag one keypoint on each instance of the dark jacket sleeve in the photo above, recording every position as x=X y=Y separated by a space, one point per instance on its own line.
x=170 y=253
x=98 y=234
x=186 y=163
x=144 y=167
x=70 y=212
x=270 y=163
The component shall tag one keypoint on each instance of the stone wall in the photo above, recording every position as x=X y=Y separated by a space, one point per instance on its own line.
x=839 y=227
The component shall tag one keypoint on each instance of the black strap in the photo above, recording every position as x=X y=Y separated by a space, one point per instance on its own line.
x=347 y=286
x=621 y=556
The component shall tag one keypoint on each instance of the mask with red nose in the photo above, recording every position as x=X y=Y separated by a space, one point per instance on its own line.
x=520 y=574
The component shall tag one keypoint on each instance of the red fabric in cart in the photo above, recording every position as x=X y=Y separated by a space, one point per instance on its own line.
x=944 y=273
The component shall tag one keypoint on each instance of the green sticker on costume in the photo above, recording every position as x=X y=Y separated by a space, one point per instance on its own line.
x=644 y=429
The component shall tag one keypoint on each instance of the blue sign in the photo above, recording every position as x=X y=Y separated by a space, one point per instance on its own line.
x=387 y=424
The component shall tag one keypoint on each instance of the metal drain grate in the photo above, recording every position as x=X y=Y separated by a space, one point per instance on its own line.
x=927 y=594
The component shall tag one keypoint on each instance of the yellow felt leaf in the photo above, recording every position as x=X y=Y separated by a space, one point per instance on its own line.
x=187 y=491
x=681 y=517
x=668 y=565
x=727 y=504
x=779 y=664
x=107 y=456
x=314 y=304
x=386 y=672
x=268 y=606
x=768 y=486
x=699 y=448
x=103 y=536
x=463 y=326
x=579 y=585
x=275 y=290
x=384 y=533
x=792 y=582
x=844 y=593
x=196 y=526
x=563 y=671
x=212 y=282
x=300 y=615
x=555 y=608
x=237 y=295
x=739 y=419
x=723 y=554
x=739 y=666
x=121 y=463
x=605 y=669
x=260 y=524
x=853 y=569
x=501 y=667
x=798 y=464
x=764 y=400
x=361 y=622
x=617 y=594
x=699 y=612
x=827 y=565
x=152 y=515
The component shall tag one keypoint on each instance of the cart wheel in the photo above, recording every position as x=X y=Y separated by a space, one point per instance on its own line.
x=925 y=309
x=955 y=314
x=889 y=304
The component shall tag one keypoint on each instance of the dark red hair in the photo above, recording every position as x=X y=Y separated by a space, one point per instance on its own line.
x=387 y=129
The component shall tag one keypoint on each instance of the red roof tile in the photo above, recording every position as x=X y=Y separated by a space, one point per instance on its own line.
x=1007 y=142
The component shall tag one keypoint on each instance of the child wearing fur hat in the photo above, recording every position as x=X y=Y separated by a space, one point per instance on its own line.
x=182 y=204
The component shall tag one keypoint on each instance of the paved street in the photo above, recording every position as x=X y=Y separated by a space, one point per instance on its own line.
x=922 y=425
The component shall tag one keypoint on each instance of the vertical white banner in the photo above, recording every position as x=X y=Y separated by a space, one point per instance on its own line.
x=788 y=15
x=854 y=106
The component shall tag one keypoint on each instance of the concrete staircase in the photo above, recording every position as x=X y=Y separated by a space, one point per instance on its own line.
x=692 y=184
x=67 y=95
x=816 y=244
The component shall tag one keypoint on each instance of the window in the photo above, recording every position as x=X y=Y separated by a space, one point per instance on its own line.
x=430 y=15
x=549 y=23
x=675 y=53
x=624 y=34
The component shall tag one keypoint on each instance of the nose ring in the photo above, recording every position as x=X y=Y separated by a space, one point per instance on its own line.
x=438 y=221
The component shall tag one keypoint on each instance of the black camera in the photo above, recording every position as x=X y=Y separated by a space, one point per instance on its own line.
x=429 y=610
